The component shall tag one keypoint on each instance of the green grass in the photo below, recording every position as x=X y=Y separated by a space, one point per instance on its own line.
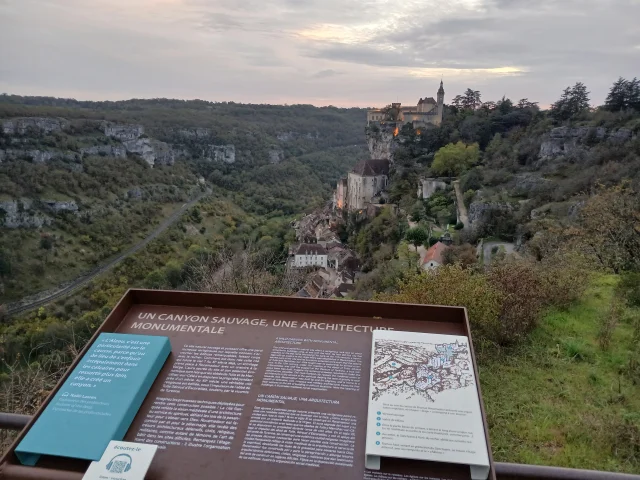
x=560 y=400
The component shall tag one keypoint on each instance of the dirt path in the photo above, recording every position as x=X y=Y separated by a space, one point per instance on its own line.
x=463 y=216
x=42 y=298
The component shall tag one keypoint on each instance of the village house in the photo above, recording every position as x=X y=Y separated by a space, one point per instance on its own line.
x=434 y=256
x=310 y=255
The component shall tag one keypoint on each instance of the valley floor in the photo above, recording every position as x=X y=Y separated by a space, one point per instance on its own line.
x=560 y=400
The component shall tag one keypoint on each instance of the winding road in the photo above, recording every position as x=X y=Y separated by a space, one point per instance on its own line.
x=42 y=298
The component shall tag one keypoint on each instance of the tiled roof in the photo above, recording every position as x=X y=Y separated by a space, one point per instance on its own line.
x=435 y=253
x=311 y=249
x=371 y=168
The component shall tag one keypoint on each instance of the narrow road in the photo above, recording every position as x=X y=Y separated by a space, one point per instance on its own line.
x=38 y=300
x=463 y=216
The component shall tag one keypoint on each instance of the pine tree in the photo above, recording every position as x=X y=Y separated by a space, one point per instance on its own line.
x=573 y=101
x=617 y=98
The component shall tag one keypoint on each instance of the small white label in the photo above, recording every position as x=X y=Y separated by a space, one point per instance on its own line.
x=122 y=461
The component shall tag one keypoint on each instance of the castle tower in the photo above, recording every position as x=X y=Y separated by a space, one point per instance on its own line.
x=440 y=102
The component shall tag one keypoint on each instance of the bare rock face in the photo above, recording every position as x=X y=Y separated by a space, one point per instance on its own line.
x=195 y=133
x=19 y=214
x=117 y=151
x=566 y=140
x=123 y=133
x=56 y=206
x=380 y=142
x=22 y=125
x=37 y=156
x=480 y=211
x=220 y=153
x=152 y=151
x=276 y=155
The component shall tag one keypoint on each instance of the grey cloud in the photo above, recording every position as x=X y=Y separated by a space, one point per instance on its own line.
x=327 y=73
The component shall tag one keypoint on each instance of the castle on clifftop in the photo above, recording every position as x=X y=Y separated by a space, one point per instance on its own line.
x=427 y=112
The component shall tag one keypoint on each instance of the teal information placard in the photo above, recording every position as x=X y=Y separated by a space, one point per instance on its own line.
x=98 y=401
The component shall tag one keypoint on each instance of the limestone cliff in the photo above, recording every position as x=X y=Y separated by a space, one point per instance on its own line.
x=118 y=151
x=123 y=132
x=19 y=213
x=37 y=156
x=154 y=152
x=22 y=125
x=380 y=140
x=567 y=140
x=220 y=153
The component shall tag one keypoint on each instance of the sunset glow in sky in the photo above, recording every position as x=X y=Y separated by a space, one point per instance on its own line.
x=339 y=52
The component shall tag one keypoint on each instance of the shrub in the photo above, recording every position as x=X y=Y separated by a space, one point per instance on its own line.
x=522 y=298
x=456 y=286
x=629 y=288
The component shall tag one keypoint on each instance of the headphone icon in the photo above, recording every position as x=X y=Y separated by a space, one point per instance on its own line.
x=127 y=466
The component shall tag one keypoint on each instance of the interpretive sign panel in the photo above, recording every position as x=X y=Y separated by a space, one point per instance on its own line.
x=99 y=399
x=423 y=403
x=267 y=387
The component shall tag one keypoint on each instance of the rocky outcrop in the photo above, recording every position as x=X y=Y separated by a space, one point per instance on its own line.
x=276 y=155
x=220 y=153
x=154 y=152
x=135 y=192
x=530 y=184
x=37 y=156
x=22 y=125
x=118 y=151
x=195 y=133
x=19 y=214
x=567 y=140
x=56 y=206
x=380 y=140
x=479 y=212
x=123 y=133
x=428 y=186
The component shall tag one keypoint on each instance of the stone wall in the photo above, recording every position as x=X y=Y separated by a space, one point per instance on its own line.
x=428 y=186
x=360 y=190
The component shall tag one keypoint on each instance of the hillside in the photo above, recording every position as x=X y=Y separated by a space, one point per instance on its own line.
x=82 y=181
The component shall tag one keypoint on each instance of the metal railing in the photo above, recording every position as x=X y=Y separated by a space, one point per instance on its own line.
x=504 y=471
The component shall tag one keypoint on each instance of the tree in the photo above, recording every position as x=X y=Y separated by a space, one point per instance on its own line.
x=417 y=236
x=454 y=159
x=471 y=99
x=624 y=94
x=573 y=101
x=46 y=242
x=525 y=103
x=5 y=264
x=464 y=255
x=609 y=228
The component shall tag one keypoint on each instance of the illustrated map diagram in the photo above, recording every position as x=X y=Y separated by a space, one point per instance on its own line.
x=406 y=369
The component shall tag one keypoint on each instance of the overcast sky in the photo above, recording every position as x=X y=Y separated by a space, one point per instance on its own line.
x=324 y=52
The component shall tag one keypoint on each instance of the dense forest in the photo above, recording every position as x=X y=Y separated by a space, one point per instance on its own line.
x=94 y=193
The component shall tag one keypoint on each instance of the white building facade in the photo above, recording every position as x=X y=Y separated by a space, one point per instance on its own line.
x=310 y=255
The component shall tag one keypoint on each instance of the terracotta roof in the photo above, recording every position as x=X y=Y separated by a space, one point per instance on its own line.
x=371 y=168
x=435 y=253
x=311 y=249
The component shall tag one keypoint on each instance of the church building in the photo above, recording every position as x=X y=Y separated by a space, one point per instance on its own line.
x=367 y=179
x=428 y=111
